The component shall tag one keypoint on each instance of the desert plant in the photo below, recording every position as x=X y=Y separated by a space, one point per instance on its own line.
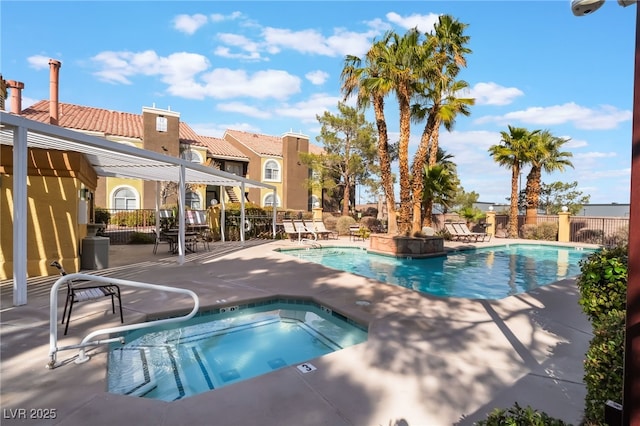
x=547 y=231
x=519 y=416
x=370 y=222
x=102 y=215
x=343 y=223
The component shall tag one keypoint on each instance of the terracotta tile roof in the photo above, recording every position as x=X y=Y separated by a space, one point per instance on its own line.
x=89 y=119
x=221 y=148
x=115 y=123
x=258 y=143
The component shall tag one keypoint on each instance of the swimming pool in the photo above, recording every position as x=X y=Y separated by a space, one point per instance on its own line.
x=217 y=349
x=484 y=273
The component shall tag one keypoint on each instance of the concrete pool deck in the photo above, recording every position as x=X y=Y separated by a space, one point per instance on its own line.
x=428 y=361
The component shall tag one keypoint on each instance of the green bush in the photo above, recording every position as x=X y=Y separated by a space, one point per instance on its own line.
x=546 y=231
x=603 y=288
x=330 y=221
x=140 y=238
x=518 y=416
x=343 y=223
x=133 y=218
x=603 y=366
x=603 y=283
x=102 y=215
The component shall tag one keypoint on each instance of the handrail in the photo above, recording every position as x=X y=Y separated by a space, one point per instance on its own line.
x=82 y=357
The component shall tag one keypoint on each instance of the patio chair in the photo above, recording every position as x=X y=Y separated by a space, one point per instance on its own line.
x=455 y=233
x=290 y=230
x=83 y=293
x=304 y=230
x=322 y=230
x=204 y=237
x=463 y=229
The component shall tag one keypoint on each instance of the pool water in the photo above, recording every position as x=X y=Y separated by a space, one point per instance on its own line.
x=216 y=350
x=484 y=273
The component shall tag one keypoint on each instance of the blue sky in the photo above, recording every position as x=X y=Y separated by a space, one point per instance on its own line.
x=271 y=67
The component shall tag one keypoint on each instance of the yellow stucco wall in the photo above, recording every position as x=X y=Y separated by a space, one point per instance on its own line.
x=54 y=231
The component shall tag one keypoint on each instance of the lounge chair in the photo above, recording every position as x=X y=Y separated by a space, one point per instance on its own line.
x=322 y=230
x=291 y=230
x=83 y=293
x=453 y=232
x=465 y=231
x=304 y=230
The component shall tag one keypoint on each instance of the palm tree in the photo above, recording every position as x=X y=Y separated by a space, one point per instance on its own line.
x=368 y=82
x=545 y=155
x=512 y=152
x=438 y=100
x=440 y=183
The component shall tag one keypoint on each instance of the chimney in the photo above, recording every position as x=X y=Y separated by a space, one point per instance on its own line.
x=3 y=92
x=16 y=95
x=54 y=78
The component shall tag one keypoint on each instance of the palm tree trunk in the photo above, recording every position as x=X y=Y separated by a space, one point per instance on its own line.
x=417 y=172
x=513 y=213
x=385 y=165
x=403 y=159
x=533 y=195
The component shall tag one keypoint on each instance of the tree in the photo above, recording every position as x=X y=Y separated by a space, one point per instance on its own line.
x=440 y=186
x=437 y=95
x=557 y=194
x=545 y=155
x=513 y=151
x=366 y=79
x=349 y=150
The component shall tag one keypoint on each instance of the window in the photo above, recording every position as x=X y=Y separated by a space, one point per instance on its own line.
x=268 y=201
x=192 y=200
x=312 y=202
x=193 y=156
x=271 y=170
x=161 y=123
x=125 y=199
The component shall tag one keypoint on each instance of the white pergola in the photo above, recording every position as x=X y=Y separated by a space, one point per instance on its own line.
x=109 y=159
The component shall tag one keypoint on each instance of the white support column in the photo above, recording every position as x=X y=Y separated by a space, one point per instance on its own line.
x=223 y=216
x=158 y=184
x=242 y=213
x=275 y=213
x=181 y=211
x=20 y=216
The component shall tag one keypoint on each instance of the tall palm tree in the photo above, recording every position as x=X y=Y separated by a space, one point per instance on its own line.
x=364 y=78
x=545 y=155
x=512 y=152
x=399 y=62
x=438 y=101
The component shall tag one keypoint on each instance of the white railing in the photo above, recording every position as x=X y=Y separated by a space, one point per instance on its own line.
x=82 y=356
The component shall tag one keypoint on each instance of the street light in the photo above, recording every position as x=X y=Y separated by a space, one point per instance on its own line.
x=631 y=373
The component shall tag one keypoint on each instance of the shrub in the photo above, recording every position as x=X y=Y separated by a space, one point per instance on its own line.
x=603 y=366
x=370 y=222
x=516 y=416
x=330 y=221
x=603 y=283
x=141 y=238
x=343 y=223
x=102 y=215
x=547 y=231
x=133 y=218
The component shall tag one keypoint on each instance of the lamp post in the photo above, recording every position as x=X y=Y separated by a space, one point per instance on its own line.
x=631 y=372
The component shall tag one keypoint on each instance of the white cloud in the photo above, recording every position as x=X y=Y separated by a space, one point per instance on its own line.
x=605 y=117
x=493 y=94
x=245 y=109
x=312 y=42
x=38 y=62
x=307 y=110
x=594 y=155
x=241 y=42
x=574 y=143
x=189 y=24
x=424 y=23
x=225 y=83
x=317 y=77
x=217 y=130
x=218 y=17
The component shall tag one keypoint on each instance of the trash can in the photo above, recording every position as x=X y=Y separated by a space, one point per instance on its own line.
x=95 y=253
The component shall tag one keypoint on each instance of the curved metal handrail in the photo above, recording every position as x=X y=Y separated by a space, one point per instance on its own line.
x=82 y=357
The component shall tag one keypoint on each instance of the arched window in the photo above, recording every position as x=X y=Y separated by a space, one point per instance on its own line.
x=191 y=155
x=268 y=201
x=192 y=200
x=272 y=171
x=125 y=198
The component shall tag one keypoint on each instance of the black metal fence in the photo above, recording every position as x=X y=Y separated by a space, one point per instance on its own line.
x=123 y=225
